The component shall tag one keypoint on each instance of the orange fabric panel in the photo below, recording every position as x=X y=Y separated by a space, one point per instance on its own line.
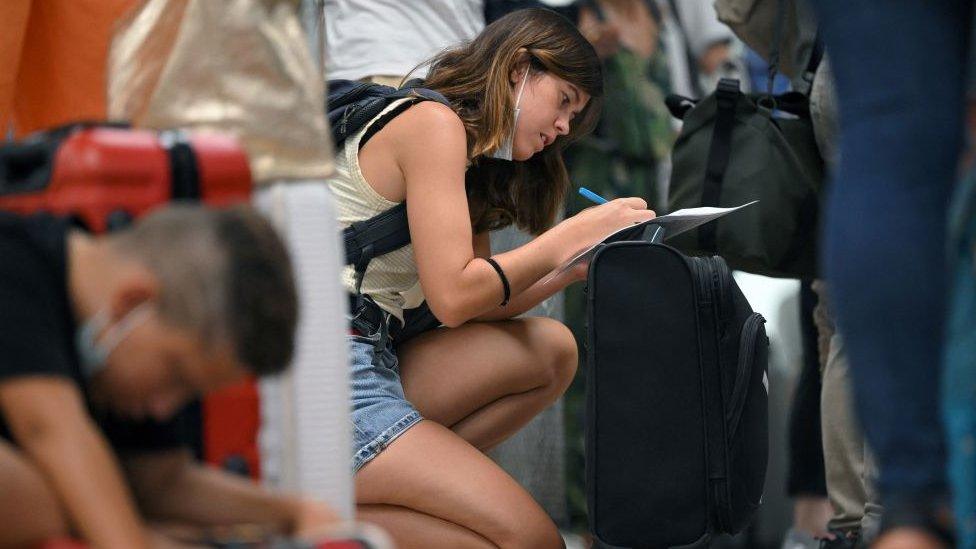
x=60 y=75
x=13 y=26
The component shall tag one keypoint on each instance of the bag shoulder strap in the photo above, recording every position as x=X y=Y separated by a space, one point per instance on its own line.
x=719 y=151
x=809 y=73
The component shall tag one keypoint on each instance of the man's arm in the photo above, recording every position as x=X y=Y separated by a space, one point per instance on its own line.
x=170 y=487
x=49 y=422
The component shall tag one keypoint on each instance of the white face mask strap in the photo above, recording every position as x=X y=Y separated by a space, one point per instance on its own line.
x=114 y=335
x=518 y=98
x=504 y=151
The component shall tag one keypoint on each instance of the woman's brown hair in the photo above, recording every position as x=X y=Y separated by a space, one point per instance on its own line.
x=475 y=77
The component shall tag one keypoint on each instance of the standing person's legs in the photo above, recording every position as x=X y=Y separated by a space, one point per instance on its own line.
x=959 y=383
x=806 y=485
x=850 y=468
x=899 y=68
x=851 y=474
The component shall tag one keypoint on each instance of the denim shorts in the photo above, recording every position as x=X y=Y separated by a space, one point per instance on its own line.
x=380 y=411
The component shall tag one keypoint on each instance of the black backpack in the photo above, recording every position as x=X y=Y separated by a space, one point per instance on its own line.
x=351 y=105
x=676 y=421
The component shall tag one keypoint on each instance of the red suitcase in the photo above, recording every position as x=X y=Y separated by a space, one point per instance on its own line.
x=107 y=175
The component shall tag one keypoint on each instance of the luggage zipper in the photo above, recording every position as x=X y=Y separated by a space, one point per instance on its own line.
x=717 y=481
x=588 y=306
x=747 y=352
x=724 y=285
x=704 y=288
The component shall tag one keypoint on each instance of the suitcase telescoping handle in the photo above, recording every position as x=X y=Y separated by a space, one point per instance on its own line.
x=653 y=233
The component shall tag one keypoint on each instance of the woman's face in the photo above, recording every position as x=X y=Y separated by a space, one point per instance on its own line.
x=548 y=107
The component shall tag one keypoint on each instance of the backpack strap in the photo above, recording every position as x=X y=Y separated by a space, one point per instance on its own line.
x=352 y=105
x=385 y=119
x=411 y=89
x=364 y=240
x=378 y=235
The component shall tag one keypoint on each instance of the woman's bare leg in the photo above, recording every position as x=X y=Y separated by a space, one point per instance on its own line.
x=448 y=488
x=416 y=529
x=483 y=381
x=487 y=380
x=29 y=510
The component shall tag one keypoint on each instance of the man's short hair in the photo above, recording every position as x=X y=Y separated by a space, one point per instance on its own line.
x=224 y=274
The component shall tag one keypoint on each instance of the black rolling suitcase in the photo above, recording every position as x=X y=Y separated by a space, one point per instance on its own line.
x=676 y=397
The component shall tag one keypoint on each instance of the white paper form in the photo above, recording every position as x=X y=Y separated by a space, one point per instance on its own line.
x=673 y=224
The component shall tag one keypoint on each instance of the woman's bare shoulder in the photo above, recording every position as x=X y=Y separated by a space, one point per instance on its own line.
x=430 y=117
x=429 y=127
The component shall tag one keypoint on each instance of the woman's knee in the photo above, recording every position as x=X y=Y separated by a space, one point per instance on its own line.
x=557 y=347
x=531 y=533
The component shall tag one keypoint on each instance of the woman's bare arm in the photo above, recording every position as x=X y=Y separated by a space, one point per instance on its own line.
x=534 y=295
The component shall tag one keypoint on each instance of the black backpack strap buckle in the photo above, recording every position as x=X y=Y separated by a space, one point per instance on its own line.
x=727 y=91
x=365 y=256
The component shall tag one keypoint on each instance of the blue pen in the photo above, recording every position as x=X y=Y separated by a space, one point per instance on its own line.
x=592 y=196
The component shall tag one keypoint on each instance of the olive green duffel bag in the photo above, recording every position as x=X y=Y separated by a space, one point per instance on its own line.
x=735 y=148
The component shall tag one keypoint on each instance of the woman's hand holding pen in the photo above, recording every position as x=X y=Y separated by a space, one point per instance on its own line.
x=593 y=224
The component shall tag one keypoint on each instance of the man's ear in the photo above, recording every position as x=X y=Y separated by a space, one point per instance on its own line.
x=135 y=285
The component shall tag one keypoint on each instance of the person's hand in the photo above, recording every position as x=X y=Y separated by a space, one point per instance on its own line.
x=908 y=538
x=605 y=38
x=810 y=516
x=172 y=537
x=593 y=224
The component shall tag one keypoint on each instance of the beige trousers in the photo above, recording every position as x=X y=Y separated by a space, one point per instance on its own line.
x=851 y=470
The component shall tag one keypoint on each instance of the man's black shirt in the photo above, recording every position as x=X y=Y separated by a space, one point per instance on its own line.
x=37 y=325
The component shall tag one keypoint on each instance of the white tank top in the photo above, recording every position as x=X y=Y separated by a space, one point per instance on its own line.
x=391 y=279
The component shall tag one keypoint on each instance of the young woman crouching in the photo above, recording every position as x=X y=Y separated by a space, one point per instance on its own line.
x=425 y=411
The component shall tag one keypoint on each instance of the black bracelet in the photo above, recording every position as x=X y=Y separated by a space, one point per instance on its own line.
x=501 y=274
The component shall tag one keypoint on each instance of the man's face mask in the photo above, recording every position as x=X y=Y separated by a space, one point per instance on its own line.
x=504 y=151
x=94 y=354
